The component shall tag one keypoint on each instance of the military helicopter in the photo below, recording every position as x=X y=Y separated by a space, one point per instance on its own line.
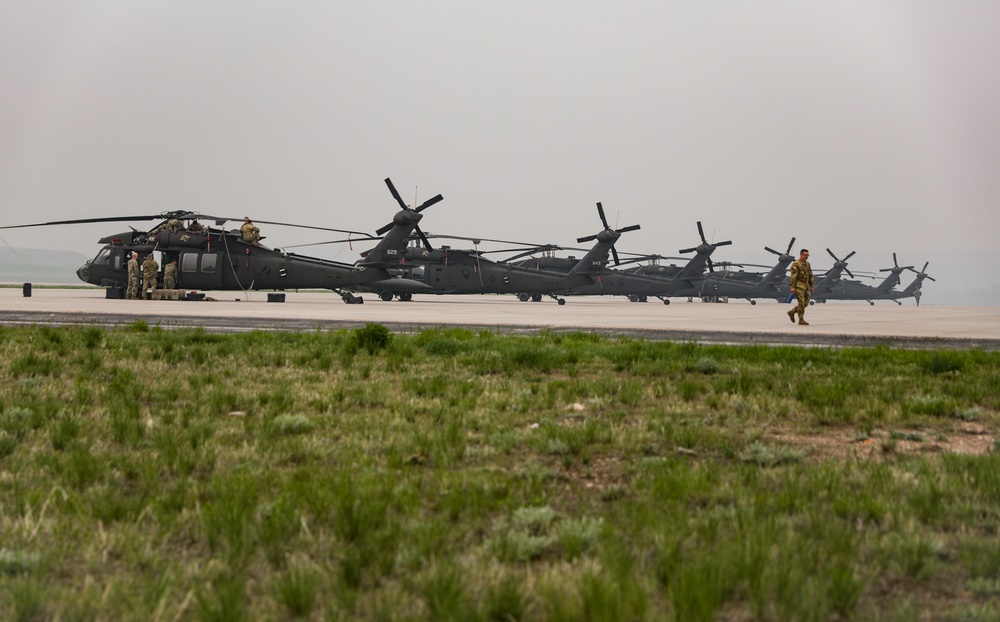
x=656 y=280
x=217 y=259
x=750 y=285
x=856 y=290
x=451 y=271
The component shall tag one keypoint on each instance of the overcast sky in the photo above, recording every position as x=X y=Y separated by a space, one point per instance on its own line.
x=856 y=125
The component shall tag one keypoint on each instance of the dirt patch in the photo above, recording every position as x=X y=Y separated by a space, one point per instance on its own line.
x=837 y=444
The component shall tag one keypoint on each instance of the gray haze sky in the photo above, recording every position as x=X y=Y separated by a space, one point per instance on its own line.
x=856 y=125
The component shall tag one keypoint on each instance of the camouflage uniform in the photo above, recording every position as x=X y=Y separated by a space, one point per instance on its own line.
x=149 y=269
x=133 y=279
x=195 y=227
x=801 y=283
x=173 y=225
x=250 y=232
x=170 y=275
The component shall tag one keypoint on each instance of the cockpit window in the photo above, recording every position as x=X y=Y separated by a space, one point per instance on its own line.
x=103 y=257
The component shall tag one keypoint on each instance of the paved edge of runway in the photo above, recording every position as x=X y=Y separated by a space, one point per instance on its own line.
x=233 y=325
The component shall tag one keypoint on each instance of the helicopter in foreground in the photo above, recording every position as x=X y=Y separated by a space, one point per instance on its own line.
x=218 y=259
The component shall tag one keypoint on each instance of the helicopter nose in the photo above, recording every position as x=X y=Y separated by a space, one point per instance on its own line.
x=83 y=272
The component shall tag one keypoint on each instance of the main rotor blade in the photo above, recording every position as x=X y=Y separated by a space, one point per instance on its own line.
x=429 y=202
x=395 y=194
x=600 y=211
x=789 y=251
x=288 y=224
x=701 y=232
x=477 y=240
x=628 y=228
x=423 y=238
x=82 y=221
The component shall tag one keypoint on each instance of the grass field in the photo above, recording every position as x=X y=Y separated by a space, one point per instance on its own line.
x=148 y=474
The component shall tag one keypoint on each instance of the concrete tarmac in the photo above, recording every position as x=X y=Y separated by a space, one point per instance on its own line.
x=832 y=324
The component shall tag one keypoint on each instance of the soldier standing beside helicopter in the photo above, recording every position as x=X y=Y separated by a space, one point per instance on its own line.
x=802 y=285
x=170 y=275
x=132 y=292
x=149 y=270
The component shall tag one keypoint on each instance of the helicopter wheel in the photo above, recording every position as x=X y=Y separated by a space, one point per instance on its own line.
x=386 y=295
x=562 y=301
x=633 y=298
x=536 y=298
x=812 y=302
x=642 y=299
x=523 y=297
x=406 y=297
x=753 y=302
x=666 y=301
x=871 y=302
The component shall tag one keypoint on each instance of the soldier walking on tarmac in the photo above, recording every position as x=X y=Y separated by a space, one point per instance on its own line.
x=802 y=285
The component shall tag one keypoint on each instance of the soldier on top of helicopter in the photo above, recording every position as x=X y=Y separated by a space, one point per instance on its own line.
x=250 y=232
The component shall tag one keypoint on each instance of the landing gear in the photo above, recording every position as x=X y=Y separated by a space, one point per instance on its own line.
x=536 y=298
x=752 y=301
x=561 y=301
x=406 y=297
x=898 y=302
x=523 y=297
x=871 y=302
x=385 y=295
x=666 y=301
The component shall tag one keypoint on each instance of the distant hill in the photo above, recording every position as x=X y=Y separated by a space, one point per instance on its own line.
x=35 y=265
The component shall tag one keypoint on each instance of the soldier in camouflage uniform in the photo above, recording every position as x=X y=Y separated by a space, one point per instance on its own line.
x=802 y=285
x=170 y=275
x=132 y=292
x=149 y=270
x=250 y=232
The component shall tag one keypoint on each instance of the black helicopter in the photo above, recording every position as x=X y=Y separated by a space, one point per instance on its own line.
x=451 y=271
x=749 y=285
x=218 y=259
x=653 y=279
x=856 y=290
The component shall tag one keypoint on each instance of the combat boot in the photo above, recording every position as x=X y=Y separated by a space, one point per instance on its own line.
x=791 y=315
x=802 y=321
